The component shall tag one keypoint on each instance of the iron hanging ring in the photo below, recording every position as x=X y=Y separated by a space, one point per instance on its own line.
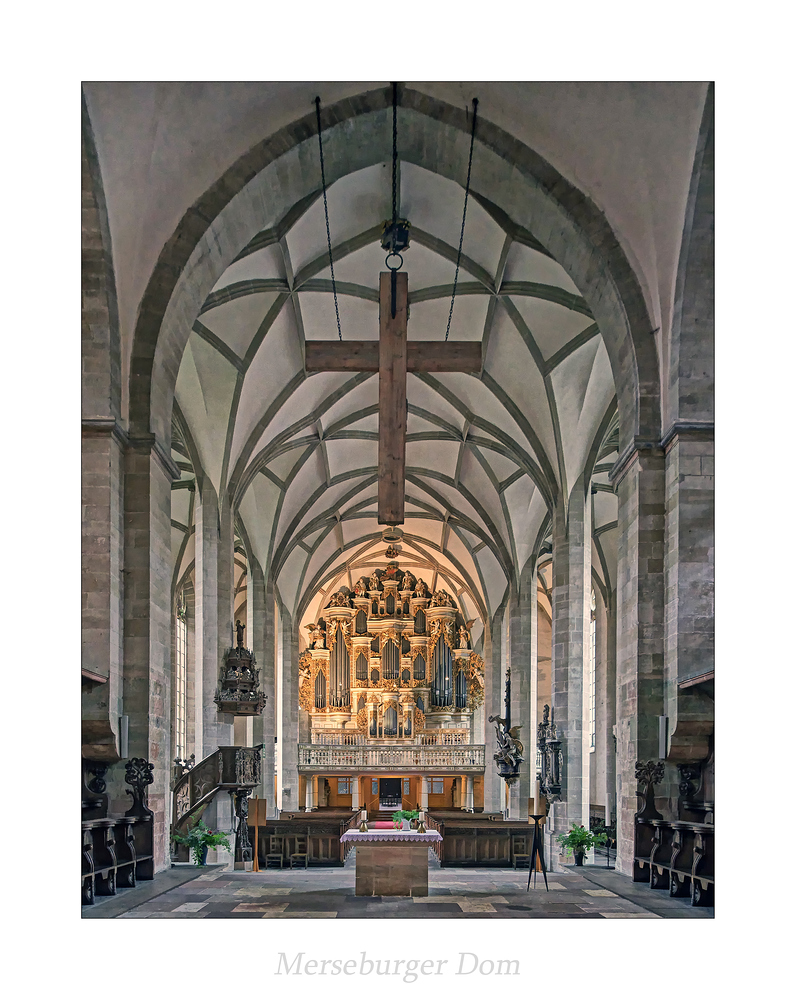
x=389 y=256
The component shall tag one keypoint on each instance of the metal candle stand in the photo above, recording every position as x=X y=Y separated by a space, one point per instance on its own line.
x=537 y=851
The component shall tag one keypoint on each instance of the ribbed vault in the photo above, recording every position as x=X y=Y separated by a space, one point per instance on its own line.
x=487 y=455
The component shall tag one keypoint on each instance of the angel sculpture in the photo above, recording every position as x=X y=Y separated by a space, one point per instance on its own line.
x=464 y=634
x=317 y=637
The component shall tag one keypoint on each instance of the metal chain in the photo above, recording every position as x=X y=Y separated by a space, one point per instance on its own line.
x=394 y=156
x=326 y=214
x=464 y=217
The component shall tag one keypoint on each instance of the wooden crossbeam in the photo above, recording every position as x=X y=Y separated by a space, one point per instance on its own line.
x=392 y=356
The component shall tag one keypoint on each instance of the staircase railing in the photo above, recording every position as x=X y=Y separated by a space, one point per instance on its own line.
x=235 y=769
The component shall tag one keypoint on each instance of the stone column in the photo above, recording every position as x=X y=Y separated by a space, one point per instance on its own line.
x=523 y=705
x=639 y=478
x=309 y=793
x=190 y=667
x=688 y=441
x=287 y=713
x=530 y=736
x=147 y=624
x=571 y=611
x=213 y=620
x=355 y=792
x=689 y=639
x=468 y=794
x=102 y=555
x=260 y=615
x=603 y=785
x=494 y=689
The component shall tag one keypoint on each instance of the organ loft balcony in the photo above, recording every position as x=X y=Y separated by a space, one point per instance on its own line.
x=389 y=680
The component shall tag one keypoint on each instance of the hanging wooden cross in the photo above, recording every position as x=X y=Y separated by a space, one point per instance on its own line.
x=392 y=356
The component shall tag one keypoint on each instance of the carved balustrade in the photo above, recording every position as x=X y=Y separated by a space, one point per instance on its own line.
x=371 y=757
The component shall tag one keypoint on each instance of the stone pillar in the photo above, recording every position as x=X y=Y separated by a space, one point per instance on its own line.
x=242 y=731
x=688 y=441
x=287 y=713
x=639 y=479
x=468 y=794
x=355 y=792
x=494 y=689
x=309 y=793
x=190 y=667
x=260 y=615
x=571 y=612
x=213 y=620
x=102 y=555
x=147 y=624
x=523 y=705
x=689 y=640
x=530 y=740
x=603 y=759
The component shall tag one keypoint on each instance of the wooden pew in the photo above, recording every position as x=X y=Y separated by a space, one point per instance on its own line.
x=677 y=855
x=116 y=851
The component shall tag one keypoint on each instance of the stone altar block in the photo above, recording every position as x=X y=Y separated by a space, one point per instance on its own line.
x=391 y=862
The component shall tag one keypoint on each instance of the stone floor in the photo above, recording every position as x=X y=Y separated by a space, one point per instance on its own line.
x=453 y=892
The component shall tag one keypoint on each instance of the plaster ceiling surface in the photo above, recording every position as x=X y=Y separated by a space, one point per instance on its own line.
x=629 y=146
x=298 y=453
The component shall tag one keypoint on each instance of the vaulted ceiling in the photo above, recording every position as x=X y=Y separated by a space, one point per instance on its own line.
x=486 y=454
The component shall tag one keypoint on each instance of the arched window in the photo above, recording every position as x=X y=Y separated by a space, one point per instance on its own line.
x=420 y=668
x=420 y=622
x=362 y=622
x=362 y=667
x=180 y=681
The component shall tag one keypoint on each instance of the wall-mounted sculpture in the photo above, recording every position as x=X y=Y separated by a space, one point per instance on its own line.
x=549 y=747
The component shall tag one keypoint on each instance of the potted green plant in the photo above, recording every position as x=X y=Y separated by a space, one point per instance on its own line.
x=579 y=840
x=407 y=816
x=199 y=838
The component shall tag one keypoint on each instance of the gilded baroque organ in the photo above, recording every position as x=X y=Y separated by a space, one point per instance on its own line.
x=390 y=661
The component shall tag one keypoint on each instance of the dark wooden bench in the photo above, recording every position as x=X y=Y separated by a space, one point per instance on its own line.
x=677 y=855
x=117 y=851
